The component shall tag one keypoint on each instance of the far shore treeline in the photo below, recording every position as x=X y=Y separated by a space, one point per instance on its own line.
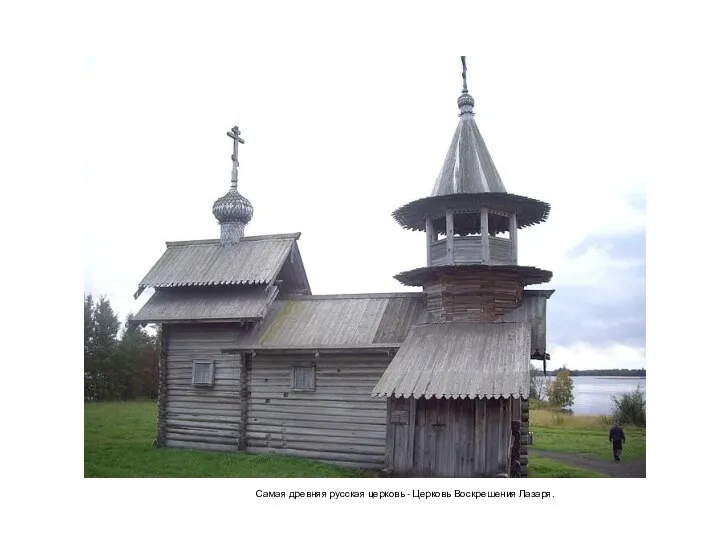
x=602 y=372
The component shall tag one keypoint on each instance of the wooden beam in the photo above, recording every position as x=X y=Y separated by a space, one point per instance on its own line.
x=450 y=231
x=430 y=238
x=484 y=236
x=513 y=238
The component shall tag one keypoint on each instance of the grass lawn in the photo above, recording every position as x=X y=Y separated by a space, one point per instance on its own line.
x=541 y=467
x=119 y=436
x=587 y=435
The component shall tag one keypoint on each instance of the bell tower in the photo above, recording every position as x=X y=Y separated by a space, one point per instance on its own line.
x=471 y=225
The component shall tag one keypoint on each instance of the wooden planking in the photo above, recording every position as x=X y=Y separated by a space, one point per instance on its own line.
x=450 y=437
x=469 y=250
x=481 y=297
x=533 y=310
x=339 y=417
x=196 y=445
x=203 y=417
x=501 y=251
x=330 y=432
x=352 y=459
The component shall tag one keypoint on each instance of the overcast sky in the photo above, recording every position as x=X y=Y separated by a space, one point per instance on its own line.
x=336 y=140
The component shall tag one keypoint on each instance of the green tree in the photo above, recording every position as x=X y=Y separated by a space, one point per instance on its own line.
x=560 y=391
x=137 y=362
x=101 y=328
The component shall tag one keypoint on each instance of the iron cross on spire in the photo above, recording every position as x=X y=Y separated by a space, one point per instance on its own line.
x=234 y=134
x=464 y=74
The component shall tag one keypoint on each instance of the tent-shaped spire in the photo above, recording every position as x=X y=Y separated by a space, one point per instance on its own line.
x=468 y=167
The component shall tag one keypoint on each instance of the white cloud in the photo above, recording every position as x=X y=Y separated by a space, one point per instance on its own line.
x=586 y=356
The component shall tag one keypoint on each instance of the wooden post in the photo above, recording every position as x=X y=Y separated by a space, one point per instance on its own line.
x=450 y=231
x=160 y=440
x=430 y=238
x=484 y=237
x=245 y=368
x=513 y=238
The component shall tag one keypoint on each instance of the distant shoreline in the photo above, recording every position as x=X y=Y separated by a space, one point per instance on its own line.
x=612 y=376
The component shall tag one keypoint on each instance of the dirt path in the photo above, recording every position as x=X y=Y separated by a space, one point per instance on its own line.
x=632 y=469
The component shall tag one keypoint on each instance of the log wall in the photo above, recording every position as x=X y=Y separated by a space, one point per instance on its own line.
x=338 y=422
x=480 y=297
x=204 y=418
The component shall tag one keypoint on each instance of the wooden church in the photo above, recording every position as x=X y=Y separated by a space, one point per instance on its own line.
x=431 y=383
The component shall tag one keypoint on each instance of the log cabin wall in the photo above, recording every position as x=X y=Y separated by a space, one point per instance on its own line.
x=202 y=417
x=449 y=437
x=336 y=421
x=481 y=297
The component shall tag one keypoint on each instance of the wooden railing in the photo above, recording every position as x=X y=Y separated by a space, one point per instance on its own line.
x=468 y=249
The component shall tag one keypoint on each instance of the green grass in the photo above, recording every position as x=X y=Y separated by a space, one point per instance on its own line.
x=119 y=436
x=118 y=443
x=541 y=467
x=587 y=435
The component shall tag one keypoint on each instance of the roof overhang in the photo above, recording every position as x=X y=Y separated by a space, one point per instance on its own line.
x=316 y=351
x=412 y=215
x=528 y=275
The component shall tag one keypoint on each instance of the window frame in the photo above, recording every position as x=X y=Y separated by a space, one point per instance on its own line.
x=193 y=379
x=294 y=378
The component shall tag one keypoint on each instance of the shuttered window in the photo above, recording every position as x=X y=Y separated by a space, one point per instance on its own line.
x=203 y=373
x=303 y=378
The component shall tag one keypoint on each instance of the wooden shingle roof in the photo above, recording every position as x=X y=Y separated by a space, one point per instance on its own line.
x=459 y=360
x=201 y=263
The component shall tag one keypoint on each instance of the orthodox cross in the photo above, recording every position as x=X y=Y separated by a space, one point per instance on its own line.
x=464 y=74
x=234 y=134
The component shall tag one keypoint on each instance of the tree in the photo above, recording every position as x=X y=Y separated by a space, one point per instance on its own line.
x=101 y=328
x=138 y=359
x=560 y=391
x=538 y=383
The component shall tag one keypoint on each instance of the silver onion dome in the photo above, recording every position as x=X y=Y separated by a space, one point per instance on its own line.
x=233 y=207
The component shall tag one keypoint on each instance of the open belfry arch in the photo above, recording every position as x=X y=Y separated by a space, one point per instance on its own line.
x=431 y=383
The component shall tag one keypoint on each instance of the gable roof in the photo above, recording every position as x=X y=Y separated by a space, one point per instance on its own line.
x=457 y=360
x=346 y=321
x=198 y=263
x=207 y=304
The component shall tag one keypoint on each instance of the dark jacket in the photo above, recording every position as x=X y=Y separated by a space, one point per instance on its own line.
x=617 y=434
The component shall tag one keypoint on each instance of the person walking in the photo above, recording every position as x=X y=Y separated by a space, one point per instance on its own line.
x=617 y=438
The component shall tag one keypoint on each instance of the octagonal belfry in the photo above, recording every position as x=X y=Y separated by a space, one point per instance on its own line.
x=471 y=224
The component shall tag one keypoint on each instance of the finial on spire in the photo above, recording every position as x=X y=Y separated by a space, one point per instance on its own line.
x=234 y=134
x=465 y=101
x=464 y=75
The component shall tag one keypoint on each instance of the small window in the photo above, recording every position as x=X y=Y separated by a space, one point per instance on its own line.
x=303 y=378
x=203 y=373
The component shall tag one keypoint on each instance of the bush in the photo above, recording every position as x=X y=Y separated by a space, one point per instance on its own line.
x=629 y=408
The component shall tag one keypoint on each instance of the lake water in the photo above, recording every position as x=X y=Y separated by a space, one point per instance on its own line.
x=592 y=394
